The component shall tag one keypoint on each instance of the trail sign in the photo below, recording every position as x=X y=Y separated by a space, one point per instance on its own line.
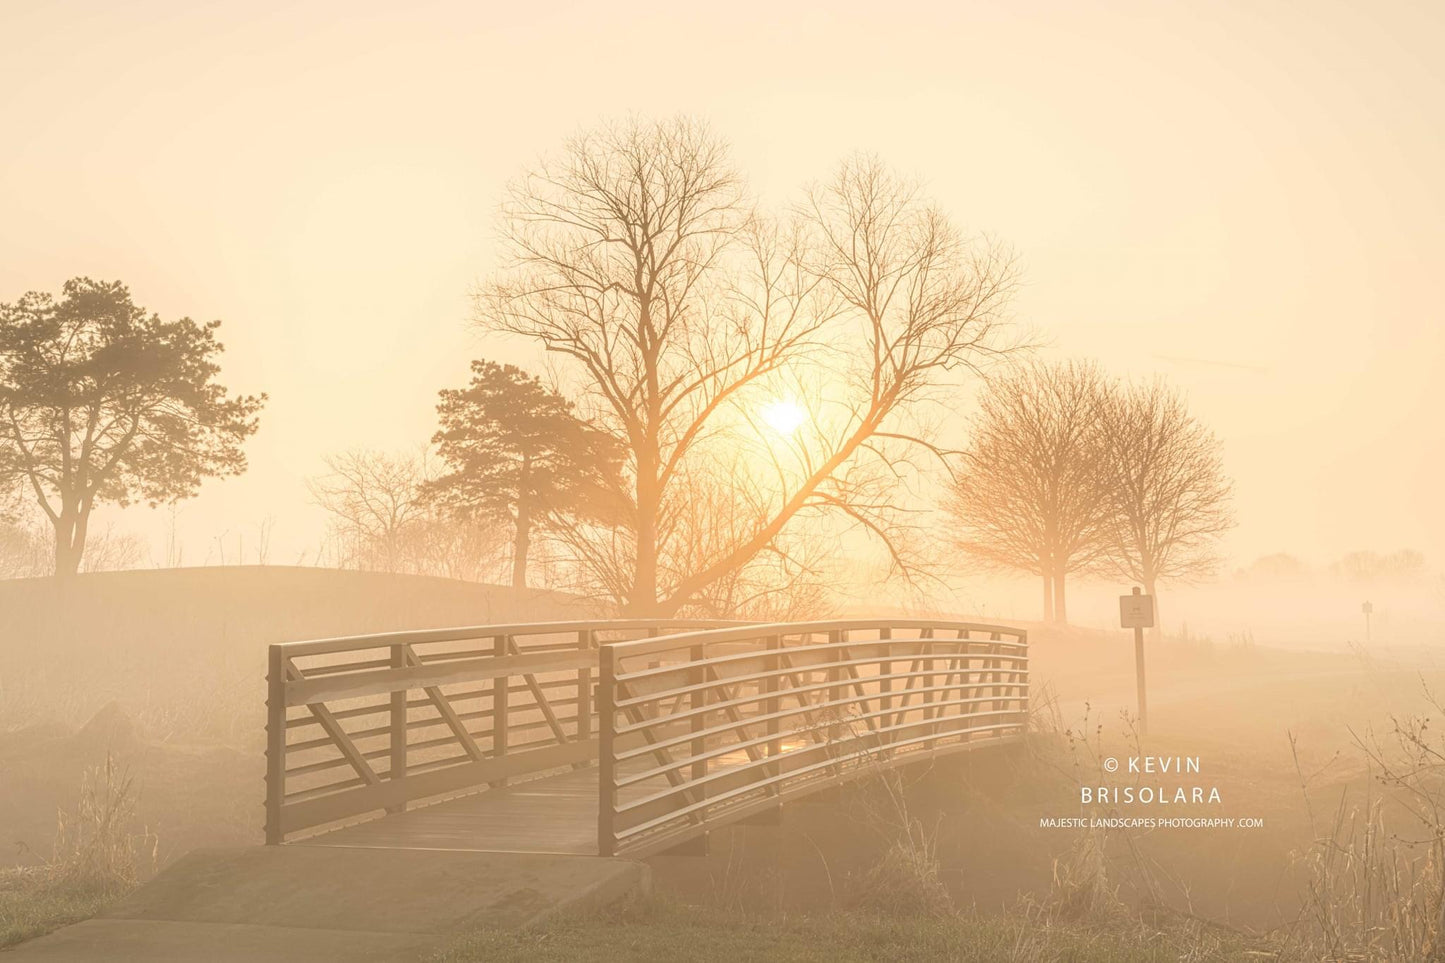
x=1136 y=611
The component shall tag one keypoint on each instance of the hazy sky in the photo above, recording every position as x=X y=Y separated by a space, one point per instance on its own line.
x=1244 y=196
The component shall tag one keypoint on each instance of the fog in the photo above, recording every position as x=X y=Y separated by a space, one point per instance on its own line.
x=1243 y=199
x=1237 y=206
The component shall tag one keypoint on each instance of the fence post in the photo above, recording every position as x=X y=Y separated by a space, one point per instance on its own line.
x=606 y=753
x=275 y=743
x=501 y=695
x=398 y=727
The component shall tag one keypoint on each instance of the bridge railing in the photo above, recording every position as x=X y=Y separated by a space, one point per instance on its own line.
x=704 y=728
x=369 y=723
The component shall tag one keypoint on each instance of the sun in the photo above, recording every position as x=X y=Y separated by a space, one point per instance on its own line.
x=784 y=416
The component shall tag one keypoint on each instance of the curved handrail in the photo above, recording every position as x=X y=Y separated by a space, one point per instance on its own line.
x=466 y=632
x=702 y=728
x=362 y=723
x=747 y=631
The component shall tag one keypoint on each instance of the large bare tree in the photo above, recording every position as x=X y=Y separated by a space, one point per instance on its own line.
x=1027 y=496
x=1164 y=475
x=636 y=256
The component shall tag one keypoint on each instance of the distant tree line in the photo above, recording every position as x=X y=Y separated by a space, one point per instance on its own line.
x=1363 y=566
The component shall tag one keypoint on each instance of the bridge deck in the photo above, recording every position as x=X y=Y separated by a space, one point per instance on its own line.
x=554 y=814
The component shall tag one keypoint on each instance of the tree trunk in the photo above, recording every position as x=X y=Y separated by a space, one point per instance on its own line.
x=521 y=543
x=70 y=529
x=67 y=559
x=642 y=601
x=1048 y=596
x=1061 y=614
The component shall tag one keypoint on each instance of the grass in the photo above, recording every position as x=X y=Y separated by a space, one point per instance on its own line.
x=97 y=860
x=674 y=932
x=33 y=902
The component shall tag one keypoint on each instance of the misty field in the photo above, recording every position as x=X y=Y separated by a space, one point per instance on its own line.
x=162 y=672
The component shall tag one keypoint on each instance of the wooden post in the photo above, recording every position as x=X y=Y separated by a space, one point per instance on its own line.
x=930 y=712
x=606 y=755
x=996 y=676
x=584 y=689
x=501 y=694
x=885 y=683
x=275 y=744
x=1139 y=672
x=772 y=703
x=835 y=673
x=1021 y=680
x=398 y=727
x=696 y=677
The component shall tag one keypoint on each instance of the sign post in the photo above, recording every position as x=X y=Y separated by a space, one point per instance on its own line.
x=1136 y=612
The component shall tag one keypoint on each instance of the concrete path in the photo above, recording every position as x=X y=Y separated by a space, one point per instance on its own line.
x=305 y=903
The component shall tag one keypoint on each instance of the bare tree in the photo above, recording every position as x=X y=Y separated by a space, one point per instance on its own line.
x=1027 y=496
x=26 y=546
x=1169 y=497
x=1366 y=566
x=383 y=519
x=373 y=497
x=716 y=507
x=443 y=544
x=636 y=257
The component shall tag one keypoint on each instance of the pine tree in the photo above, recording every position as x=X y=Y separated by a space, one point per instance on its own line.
x=517 y=452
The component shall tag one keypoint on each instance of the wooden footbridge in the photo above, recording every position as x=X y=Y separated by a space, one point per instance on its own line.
x=614 y=737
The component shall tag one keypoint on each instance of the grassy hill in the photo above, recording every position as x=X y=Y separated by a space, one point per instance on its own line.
x=165 y=671
x=183 y=650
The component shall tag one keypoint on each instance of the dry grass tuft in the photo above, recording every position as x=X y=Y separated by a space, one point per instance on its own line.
x=1376 y=870
x=94 y=847
x=906 y=881
x=97 y=859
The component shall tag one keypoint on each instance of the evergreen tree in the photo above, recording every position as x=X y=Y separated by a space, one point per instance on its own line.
x=517 y=452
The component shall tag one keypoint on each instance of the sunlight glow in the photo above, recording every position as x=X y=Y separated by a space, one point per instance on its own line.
x=784 y=416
